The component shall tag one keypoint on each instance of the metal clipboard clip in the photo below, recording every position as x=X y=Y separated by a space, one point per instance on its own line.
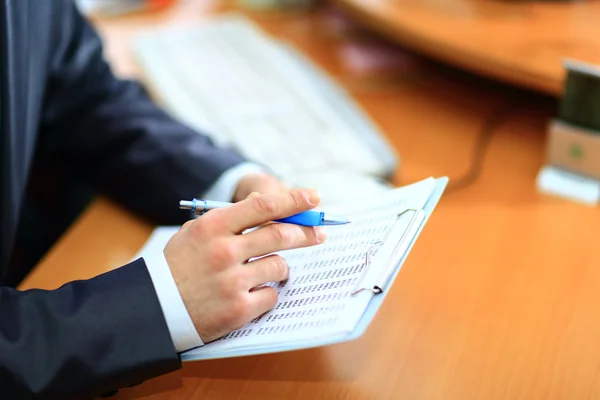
x=392 y=262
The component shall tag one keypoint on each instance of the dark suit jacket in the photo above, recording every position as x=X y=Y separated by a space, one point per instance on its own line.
x=59 y=100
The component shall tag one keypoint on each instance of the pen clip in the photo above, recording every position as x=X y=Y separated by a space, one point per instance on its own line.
x=391 y=264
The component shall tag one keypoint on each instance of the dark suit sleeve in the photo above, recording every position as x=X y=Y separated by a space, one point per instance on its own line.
x=83 y=339
x=114 y=136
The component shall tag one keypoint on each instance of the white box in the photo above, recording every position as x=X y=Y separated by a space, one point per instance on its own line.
x=574 y=149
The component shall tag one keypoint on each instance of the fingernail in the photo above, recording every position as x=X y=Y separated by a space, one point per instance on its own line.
x=321 y=234
x=313 y=196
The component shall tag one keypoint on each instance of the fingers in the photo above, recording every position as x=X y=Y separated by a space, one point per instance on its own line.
x=267 y=269
x=277 y=237
x=187 y=225
x=268 y=207
x=262 y=299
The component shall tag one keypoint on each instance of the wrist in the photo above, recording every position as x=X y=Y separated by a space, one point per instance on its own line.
x=183 y=331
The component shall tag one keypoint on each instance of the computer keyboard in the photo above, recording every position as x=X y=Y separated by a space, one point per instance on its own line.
x=228 y=79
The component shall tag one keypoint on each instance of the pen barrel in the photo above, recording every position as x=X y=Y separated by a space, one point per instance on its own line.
x=307 y=218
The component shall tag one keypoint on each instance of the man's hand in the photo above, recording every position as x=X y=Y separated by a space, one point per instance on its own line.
x=208 y=259
x=258 y=183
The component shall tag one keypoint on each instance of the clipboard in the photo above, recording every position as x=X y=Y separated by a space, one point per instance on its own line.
x=381 y=281
x=379 y=289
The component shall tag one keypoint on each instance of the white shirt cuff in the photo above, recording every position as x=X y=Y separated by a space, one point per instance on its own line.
x=180 y=324
x=224 y=188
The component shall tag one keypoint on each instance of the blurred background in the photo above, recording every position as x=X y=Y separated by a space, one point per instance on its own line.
x=232 y=69
x=355 y=97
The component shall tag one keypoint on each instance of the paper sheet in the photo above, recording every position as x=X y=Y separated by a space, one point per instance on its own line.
x=314 y=301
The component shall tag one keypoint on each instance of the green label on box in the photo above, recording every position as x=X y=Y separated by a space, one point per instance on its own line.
x=576 y=151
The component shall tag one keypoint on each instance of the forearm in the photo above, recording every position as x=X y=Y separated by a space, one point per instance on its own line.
x=150 y=162
x=114 y=137
x=84 y=339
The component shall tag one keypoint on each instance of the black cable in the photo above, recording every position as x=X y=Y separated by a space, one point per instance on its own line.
x=486 y=132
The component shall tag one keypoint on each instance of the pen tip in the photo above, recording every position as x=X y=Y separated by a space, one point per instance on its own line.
x=335 y=220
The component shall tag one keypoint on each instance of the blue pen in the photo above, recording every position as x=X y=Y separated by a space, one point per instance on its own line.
x=306 y=218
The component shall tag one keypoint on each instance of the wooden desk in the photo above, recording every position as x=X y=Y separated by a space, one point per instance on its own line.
x=522 y=43
x=498 y=300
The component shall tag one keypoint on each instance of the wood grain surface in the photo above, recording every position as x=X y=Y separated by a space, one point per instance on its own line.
x=520 y=42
